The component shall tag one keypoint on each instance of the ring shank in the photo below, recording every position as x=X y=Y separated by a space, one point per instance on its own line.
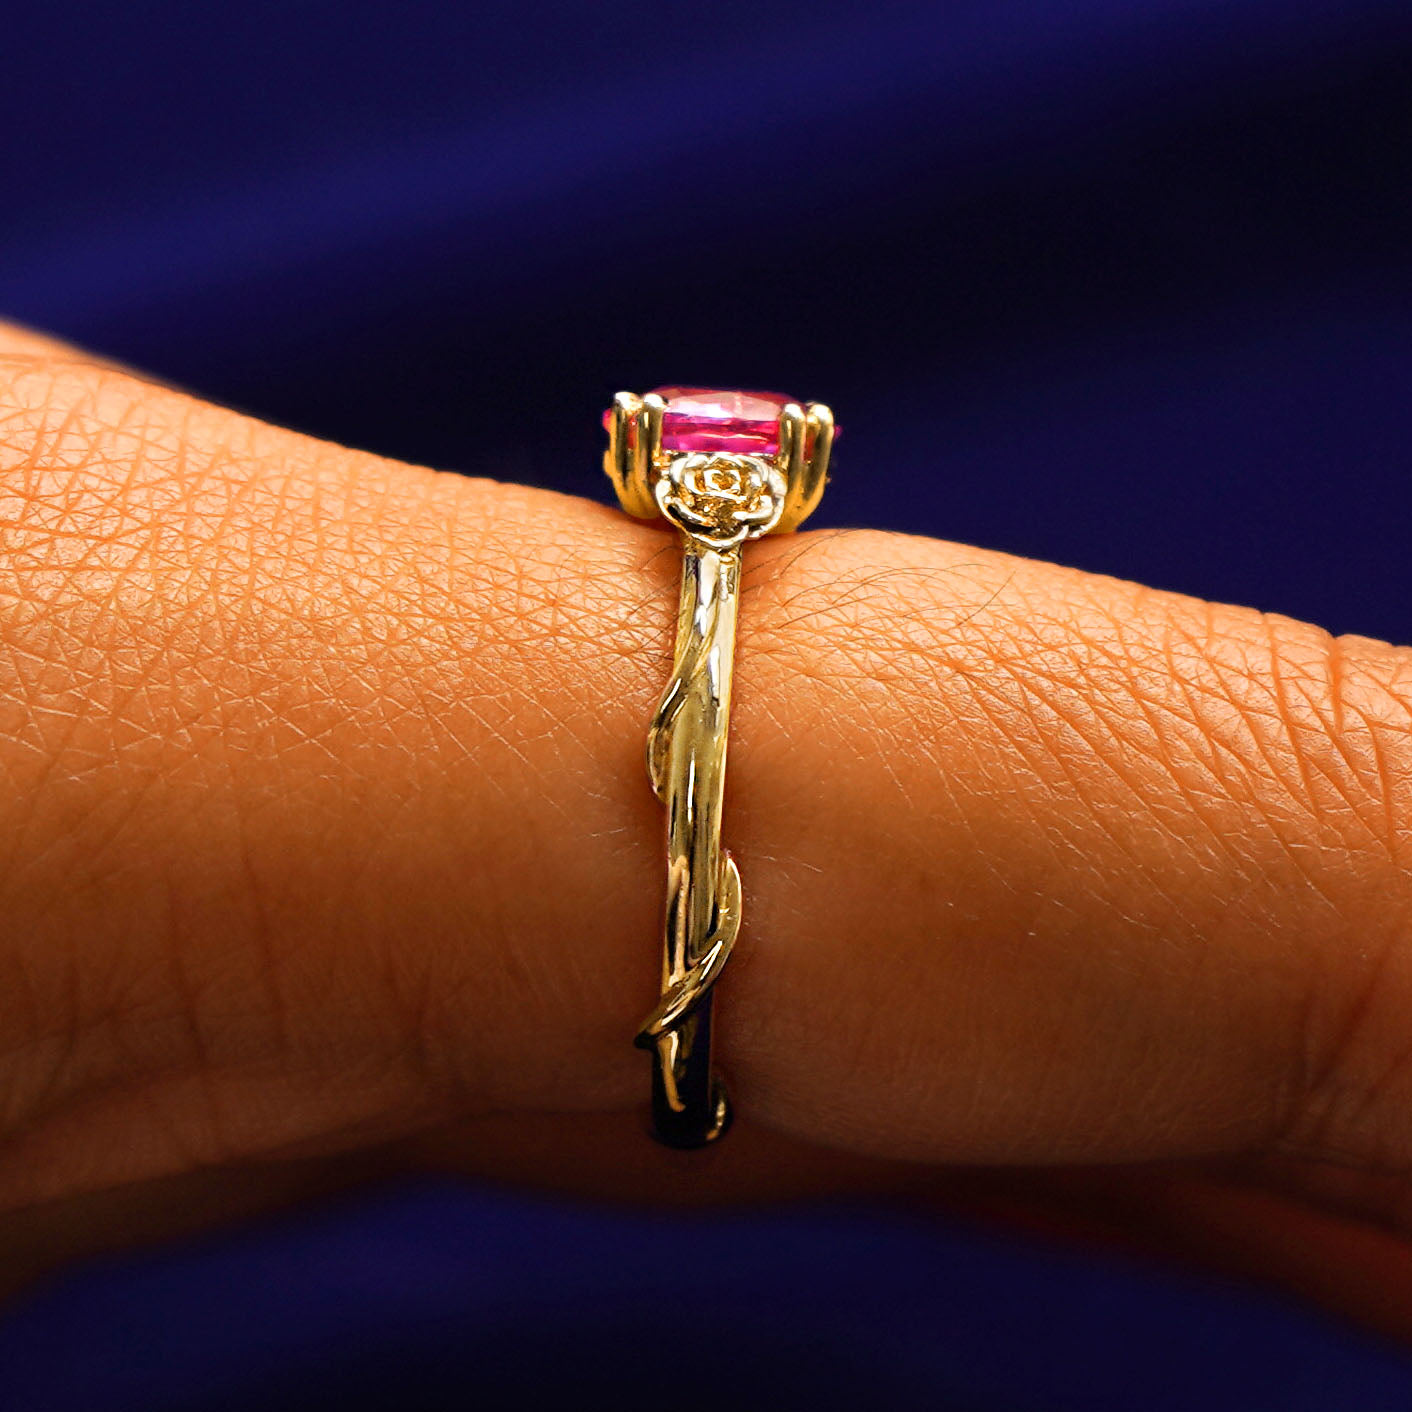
x=687 y=766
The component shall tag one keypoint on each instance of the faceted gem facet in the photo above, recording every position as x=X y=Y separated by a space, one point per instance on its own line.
x=719 y=419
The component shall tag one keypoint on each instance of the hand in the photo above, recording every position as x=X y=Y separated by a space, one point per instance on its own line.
x=327 y=849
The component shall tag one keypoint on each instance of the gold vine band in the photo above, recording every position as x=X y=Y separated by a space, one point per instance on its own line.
x=723 y=467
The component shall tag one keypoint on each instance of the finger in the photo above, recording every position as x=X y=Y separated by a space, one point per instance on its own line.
x=31 y=346
x=325 y=823
x=1229 y=1223
x=39 y=1239
x=19 y=342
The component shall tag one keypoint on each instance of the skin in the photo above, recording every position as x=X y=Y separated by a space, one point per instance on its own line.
x=326 y=851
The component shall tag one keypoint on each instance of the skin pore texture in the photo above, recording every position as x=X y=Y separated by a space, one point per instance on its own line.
x=326 y=850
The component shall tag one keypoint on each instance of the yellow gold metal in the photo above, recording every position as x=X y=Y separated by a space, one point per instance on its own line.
x=718 y=501
x=647 y=448
x=794 y=441
x=686 y=763
x=621 y=459
x=806 y=486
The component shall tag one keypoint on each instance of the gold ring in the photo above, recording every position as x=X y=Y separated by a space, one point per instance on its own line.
x=723 y=467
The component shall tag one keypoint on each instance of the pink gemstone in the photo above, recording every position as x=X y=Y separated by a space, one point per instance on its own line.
x=714 y=419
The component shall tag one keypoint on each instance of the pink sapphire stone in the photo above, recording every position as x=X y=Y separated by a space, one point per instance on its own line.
x=716 y=419
x=713 y=419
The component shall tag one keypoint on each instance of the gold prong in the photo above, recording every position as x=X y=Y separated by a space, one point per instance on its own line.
x=649 y=448
x=794 y=440
x=624 y=436
x=806 y=485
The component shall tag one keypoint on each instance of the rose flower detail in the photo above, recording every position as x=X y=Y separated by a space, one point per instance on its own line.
x=721 y=499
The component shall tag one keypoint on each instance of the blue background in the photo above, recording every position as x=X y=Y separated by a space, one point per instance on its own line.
x=1119 y=284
